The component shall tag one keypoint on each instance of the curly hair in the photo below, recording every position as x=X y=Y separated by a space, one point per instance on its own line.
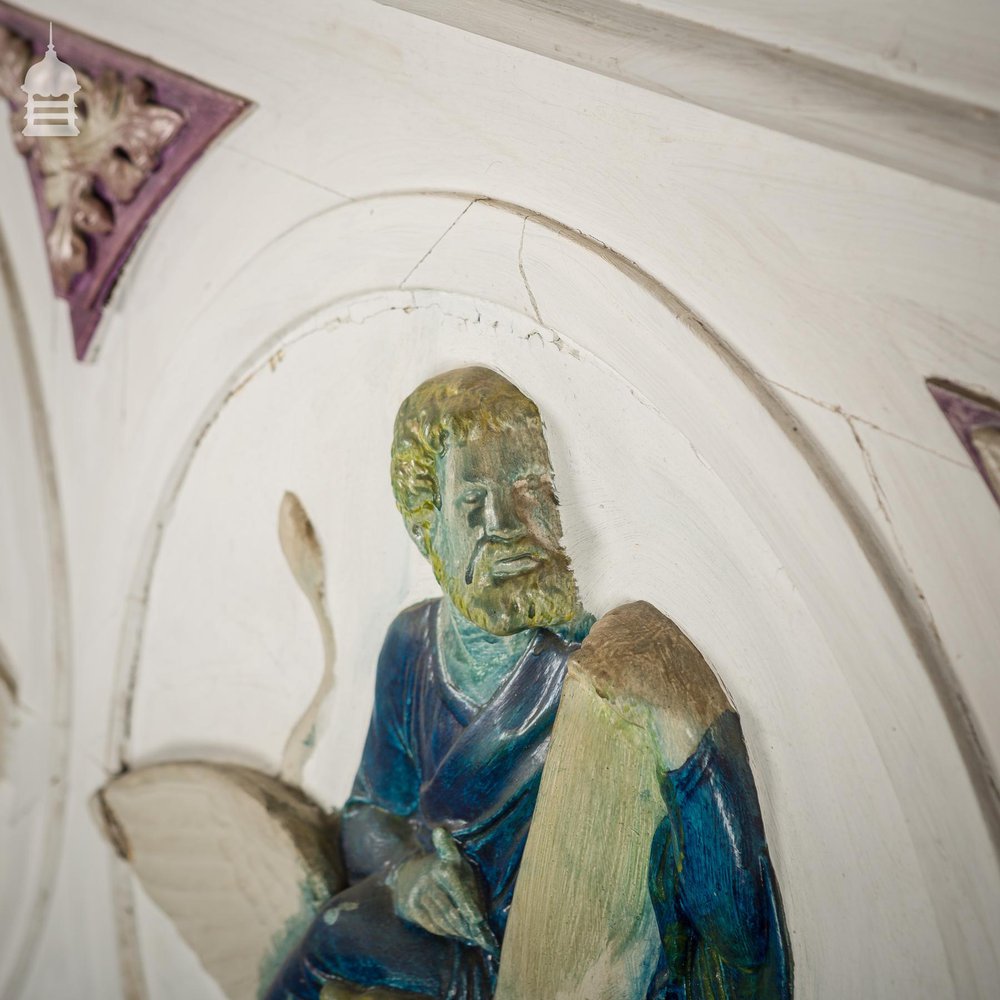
x=447 y=409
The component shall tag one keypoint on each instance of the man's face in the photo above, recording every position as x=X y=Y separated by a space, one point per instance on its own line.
x=496 y=541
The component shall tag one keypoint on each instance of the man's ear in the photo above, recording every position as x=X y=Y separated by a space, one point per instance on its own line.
x=420 y=532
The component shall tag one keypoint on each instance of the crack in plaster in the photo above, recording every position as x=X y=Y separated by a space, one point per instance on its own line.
x=838 y=409
x=524 y=274
x=880 y=497
x=436 y=243
x=312 y=182
x=882 y=500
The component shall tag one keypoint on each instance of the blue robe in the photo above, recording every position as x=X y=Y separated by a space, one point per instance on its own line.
x=711 y=881
x=432 y=759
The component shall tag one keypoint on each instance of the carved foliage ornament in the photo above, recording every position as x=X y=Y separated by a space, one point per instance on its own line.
x=975 y=418
x=141 y=126
x=118 y=149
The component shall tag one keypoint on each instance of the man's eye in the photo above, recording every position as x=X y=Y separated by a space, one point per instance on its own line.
x=472 y=499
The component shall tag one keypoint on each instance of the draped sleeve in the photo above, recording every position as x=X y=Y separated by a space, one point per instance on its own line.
x=712 y=884
x=376 y=826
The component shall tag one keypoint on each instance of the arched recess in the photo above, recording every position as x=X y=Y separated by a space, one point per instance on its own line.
x=34 y=648
x=685 y=481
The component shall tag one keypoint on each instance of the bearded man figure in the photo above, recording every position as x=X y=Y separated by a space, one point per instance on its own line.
x=466 y=695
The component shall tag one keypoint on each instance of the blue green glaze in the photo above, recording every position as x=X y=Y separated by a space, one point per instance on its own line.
x=466 y=695
x=711 y=881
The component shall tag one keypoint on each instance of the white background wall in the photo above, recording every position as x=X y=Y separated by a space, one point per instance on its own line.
x=782 y=484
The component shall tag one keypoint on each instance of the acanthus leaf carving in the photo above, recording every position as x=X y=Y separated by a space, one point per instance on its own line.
x=97 y=190
x=122 y=133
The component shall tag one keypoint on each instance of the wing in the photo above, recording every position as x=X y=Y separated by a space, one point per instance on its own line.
x=237 y=859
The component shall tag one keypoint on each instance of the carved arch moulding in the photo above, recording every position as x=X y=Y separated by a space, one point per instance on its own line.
x=846 y=701
x=141 y=127
x=36 y=656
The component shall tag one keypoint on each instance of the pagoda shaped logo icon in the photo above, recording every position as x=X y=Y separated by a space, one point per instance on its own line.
x=50 y=85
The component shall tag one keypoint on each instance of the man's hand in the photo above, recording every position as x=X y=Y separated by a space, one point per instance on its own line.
x=440 y=893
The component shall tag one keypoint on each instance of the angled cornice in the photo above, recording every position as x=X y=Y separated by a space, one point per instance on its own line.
x=929 y=135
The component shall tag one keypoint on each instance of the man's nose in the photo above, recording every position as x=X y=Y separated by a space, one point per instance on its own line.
x=501 y=515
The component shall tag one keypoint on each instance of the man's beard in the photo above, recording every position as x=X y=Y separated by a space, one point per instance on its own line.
x=541 y=597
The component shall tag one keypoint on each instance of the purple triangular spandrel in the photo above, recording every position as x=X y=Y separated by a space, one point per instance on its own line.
x=154 y=123
x=971 y=415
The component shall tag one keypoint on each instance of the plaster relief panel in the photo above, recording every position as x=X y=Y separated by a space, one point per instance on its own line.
x=35 y=655
x=254 y=668
x=492 y=657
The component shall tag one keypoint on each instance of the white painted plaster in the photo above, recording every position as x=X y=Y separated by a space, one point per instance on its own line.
x=843 y=282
